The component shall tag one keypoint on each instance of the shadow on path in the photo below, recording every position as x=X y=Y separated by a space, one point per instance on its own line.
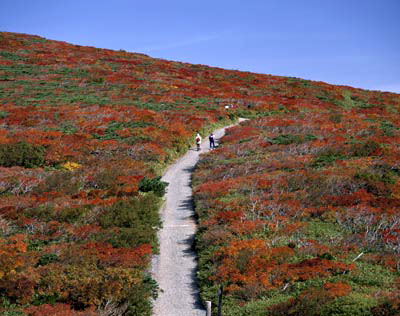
x=193 y=284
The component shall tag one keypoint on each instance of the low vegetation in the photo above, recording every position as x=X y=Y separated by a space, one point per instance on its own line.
x=299 y=214
x=85 y=134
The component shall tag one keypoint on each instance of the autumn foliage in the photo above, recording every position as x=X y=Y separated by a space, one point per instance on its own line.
x=84 y=133
x=284 y=206
x=299 y=210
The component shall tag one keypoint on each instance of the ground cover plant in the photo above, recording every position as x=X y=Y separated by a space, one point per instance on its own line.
x=85 y=134
x=299 y=212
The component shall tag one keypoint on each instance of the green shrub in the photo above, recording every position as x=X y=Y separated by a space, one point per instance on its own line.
x=139 y=298
x=137 y=221
x=351 y=305
x=72 y=214
x=9 y=309
x=142 y=210
x=327 y=156
x=60 y=181
x=317 y=302
x=97 y=80
x=47 y=213
x=68 y=128
x=39 y=299
x=327 y=256
x=42 y=212
x=336 y=117
x=388 y=128
x=155 y=185
x=127 y=237
x=386 y=308
x=11 y=56
x=365 y=149
x=22 y=154
x=47 y=258
x=37 y=244
x=106 y=179
x=286 y=139
x=378 y=179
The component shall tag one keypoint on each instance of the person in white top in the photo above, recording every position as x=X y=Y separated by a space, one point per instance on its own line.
x=198 y=141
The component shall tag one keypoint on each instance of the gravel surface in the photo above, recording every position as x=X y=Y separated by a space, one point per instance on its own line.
x=175 y=268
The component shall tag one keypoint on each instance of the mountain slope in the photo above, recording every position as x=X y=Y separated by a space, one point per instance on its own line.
x=82 y=130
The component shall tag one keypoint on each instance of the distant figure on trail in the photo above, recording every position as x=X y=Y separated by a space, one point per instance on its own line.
x=211 y=138
x=198 y=141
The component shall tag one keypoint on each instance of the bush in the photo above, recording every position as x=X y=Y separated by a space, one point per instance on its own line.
x=72 y=214
x=106 y=179
x=353 y=304
x=291 y=139
x=155 y=185
x=142 y=210
x=60 y=181
x=378 y=179
x=137 y=220
x=326 y=157
x=9 y=309
x=42 y=212
x=47 y=258
x=123 y=237
x=386 y=308
x=366 y=149
x=318 y=302
x=138 y=298
x=388 y=128
x=21 y=154
x=336 y=118
x=3 y=114
x=329 y=155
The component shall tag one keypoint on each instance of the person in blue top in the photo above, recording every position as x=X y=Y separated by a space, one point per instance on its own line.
x=211 y=138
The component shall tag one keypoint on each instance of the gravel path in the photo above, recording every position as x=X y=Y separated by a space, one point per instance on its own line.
x=175 y=268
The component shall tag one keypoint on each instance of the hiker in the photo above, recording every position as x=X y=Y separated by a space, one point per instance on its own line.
x=198 y=141
x=211 y=138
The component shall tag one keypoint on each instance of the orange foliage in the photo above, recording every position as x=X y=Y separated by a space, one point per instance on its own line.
x=338 y=289
x=57 y=310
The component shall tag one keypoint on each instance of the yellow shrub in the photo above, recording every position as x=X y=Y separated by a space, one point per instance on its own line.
x=71 y=166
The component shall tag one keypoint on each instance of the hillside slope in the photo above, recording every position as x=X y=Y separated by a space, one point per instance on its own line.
x=299 y=213
x=82 y=131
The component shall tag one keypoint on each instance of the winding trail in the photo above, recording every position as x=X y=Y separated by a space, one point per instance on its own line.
x=175 y=268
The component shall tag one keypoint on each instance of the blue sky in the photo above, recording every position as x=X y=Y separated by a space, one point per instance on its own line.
x=348 y=42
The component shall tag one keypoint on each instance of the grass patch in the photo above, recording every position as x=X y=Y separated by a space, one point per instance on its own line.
x=326 y=157
x=22 y=154
x=287 y=139
x=11 y=56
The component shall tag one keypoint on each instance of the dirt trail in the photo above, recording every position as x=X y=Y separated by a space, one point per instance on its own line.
x=175 y=268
